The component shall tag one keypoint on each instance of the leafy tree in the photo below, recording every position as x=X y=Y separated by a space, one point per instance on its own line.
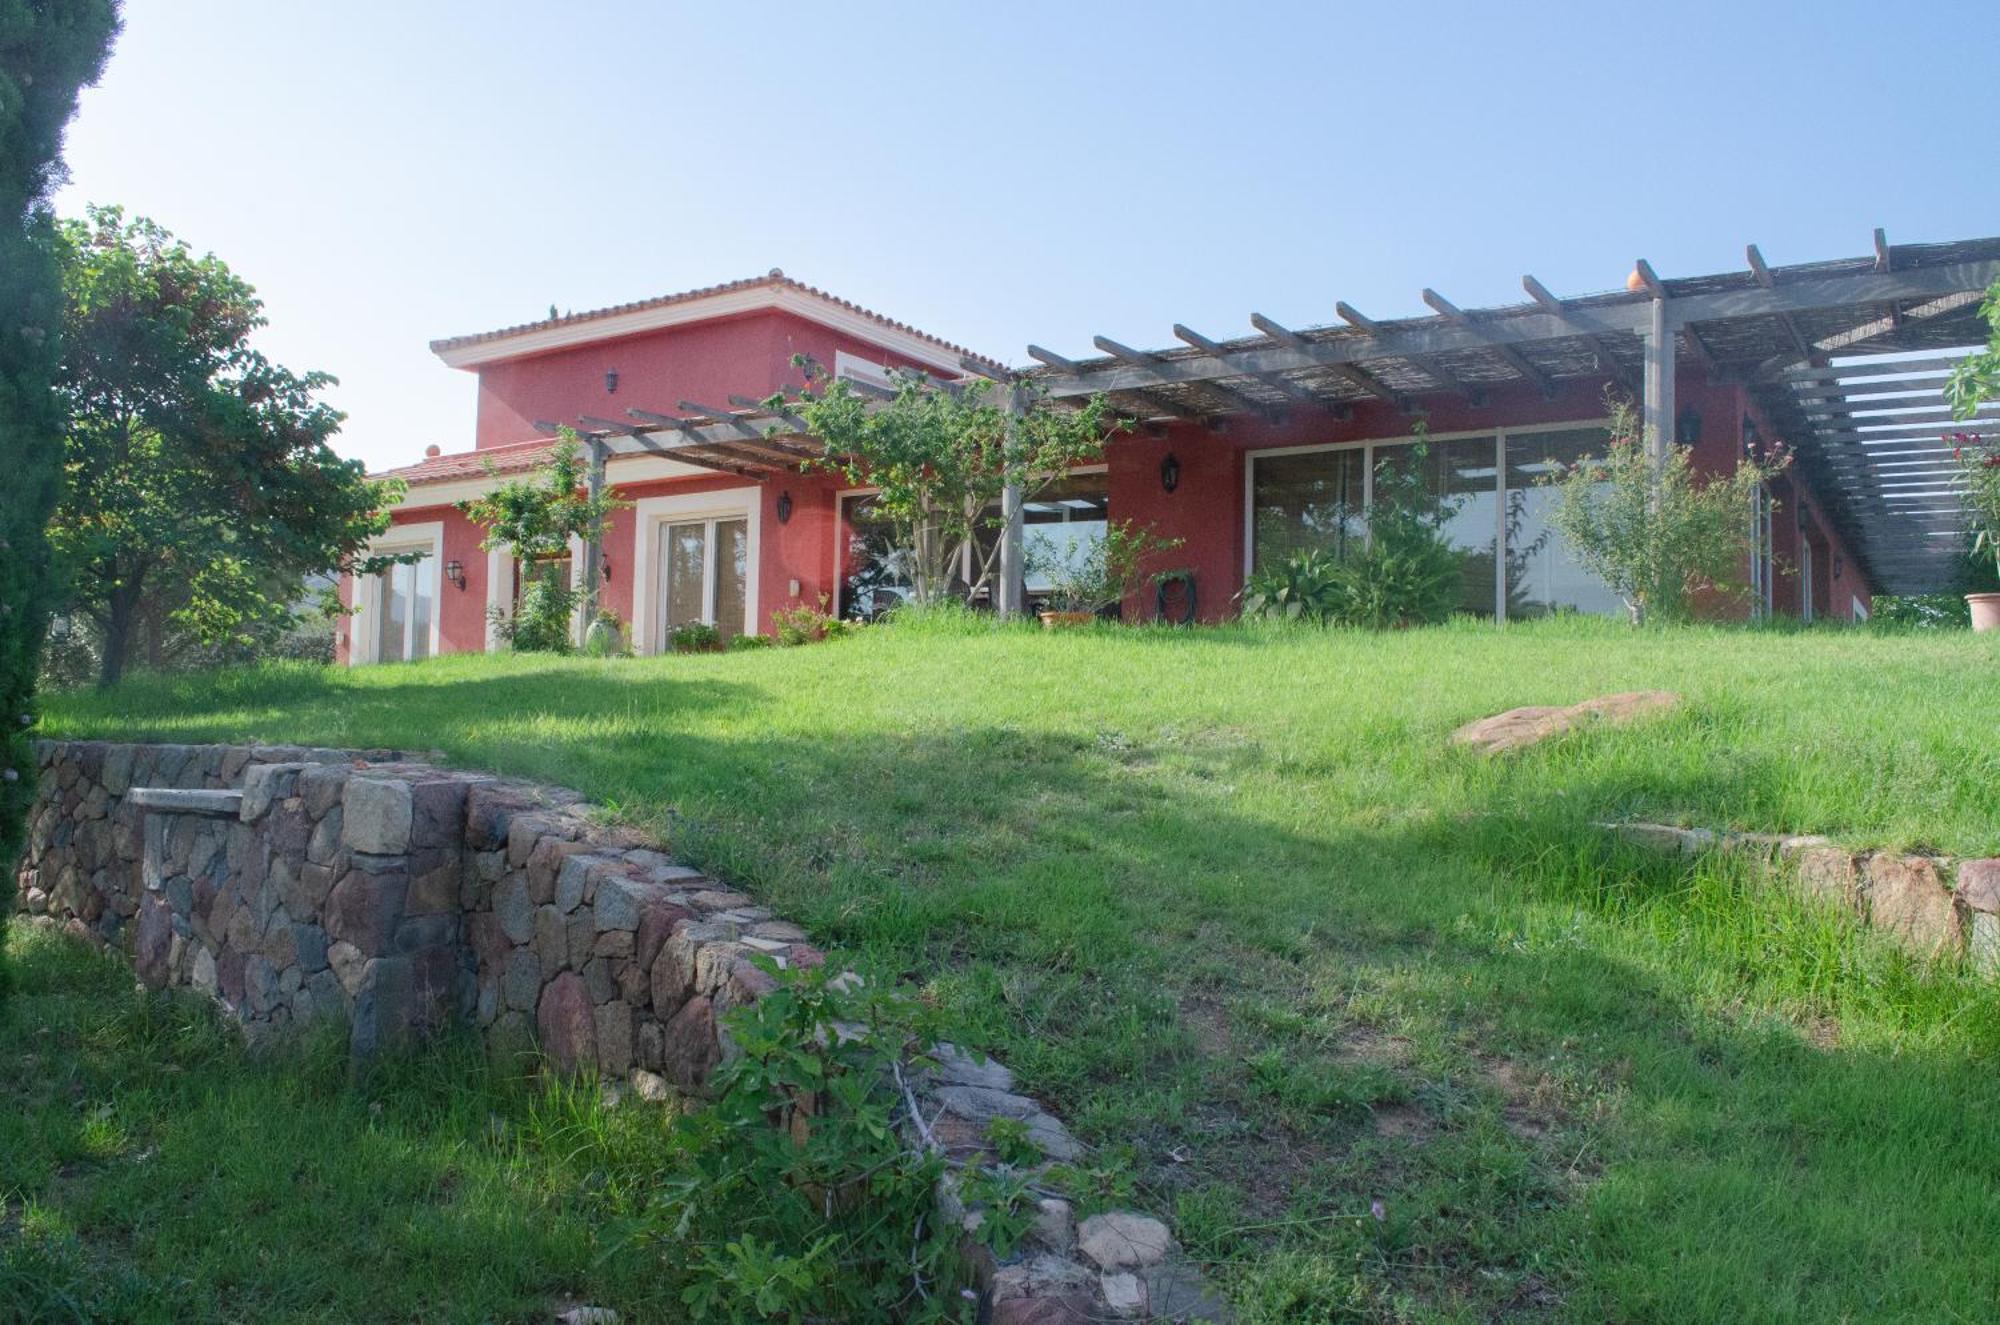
x=1974 y=382
x=535 y=518
x=1976 y=379
x=1657 y=535
x=200 y=485
x=941 y=457
x=49 y=50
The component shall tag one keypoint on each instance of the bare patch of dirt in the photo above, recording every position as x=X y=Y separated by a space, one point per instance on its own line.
x=1208 y=1022
x=1367 y=1046
x=1402 y=1122
x=1533 y=1107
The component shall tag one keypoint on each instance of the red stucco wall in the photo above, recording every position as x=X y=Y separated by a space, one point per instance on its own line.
x=749 y=355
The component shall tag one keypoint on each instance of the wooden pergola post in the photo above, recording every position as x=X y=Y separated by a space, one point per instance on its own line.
x=593 y=549
x=1011 y=598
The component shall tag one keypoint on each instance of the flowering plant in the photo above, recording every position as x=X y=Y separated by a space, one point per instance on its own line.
x=1979 y=483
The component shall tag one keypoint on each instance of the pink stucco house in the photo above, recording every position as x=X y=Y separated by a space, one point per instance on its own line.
x=1242 y=447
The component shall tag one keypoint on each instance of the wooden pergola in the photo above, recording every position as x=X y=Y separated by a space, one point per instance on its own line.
x=1846 y=357
x=1826 y=348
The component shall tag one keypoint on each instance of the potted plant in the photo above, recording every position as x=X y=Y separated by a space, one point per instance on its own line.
x=1086 y=579
x=1979 y=483
x=606 y=636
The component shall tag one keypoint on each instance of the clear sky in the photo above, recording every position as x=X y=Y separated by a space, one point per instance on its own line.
x=387 y=173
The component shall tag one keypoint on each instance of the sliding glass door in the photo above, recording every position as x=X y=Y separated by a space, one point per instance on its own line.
x=1490 y=503
x=704 y=576
x=405 y=604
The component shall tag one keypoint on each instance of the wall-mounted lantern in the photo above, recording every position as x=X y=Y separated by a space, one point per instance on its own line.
x=1170 y=473
x=455 y=572
x=1687 y=428
x=611 y=382
x=784 y=508
x=607 y=568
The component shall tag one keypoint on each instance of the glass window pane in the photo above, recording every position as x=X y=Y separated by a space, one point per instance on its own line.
x=685 y=550
x=875 y=574
x=423 y=579
x=1305 y=501
x=1462 y=473
x=389 y=608
x=732 y=577
x=556 y=569
x=1065 y=522
x=1542 y=577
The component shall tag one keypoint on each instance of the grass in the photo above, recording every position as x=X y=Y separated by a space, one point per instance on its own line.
x=1227 y=900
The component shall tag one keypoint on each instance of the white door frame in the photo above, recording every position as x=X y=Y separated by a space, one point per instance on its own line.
x=652 y=515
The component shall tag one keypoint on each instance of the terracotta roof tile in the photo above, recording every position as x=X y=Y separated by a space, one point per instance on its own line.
x=509 y=459
x=774 y=278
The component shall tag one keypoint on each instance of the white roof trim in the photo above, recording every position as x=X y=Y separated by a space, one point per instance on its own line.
x=784 y=298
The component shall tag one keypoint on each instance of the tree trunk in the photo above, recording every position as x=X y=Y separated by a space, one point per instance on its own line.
x=119 y=623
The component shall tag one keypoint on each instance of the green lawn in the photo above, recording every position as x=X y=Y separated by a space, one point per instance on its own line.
x=1229 y=902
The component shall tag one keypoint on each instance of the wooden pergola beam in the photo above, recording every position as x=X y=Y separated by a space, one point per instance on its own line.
x=1153 y=400
x=1143 y=359
x=1762 y=272
x=1598 y=345
x=721 y=416
x=1515 y=359
x=1351 y=374
x=1427 y=364
x=1277 y=381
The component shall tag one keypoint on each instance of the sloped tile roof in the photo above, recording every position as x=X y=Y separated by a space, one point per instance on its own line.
x=774 y=278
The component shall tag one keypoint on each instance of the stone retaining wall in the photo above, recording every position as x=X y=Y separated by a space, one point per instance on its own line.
x=1934 y=906
x=399 y=897
x=303 y=885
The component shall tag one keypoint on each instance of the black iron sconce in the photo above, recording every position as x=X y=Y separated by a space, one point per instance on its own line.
x=1687 y=428
x=1170 y=473
x=784 y=508
x=611 y=382
x=455 y=572
x=607 y=568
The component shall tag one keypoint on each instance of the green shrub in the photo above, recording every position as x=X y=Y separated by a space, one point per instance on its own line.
x=540 y=621
x=801 y=1193
x=694 y=637
x=1302 y=587
x=1404 y=573
x=751 y=643
x=1094 y=576
x=805 y=624
x=1656 y=534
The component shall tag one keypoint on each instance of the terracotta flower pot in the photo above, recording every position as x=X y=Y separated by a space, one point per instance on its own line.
x=1985 y=610
x=1066 y=620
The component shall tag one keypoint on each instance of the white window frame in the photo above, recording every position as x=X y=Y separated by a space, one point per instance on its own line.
x=1369 y=444
x=854 y=368
x=652 y=515
x=424 y=536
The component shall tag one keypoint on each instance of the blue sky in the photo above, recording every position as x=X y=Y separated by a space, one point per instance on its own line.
x=389 y=173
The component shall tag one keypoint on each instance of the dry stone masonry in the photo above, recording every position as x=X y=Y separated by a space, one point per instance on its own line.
x=1934 y=906
x=298 y=886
